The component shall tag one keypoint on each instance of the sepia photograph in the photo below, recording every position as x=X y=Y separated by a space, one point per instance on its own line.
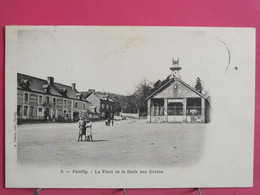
x=136 y=107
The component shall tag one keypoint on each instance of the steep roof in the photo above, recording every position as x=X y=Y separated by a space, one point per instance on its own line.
x=70 y=92
x=99 y=95
x=104 y=96
x=85 y=94
x=169 y=82
x=37 y=85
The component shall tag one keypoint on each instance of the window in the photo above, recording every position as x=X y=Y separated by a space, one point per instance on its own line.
x=26 y=97
x=31 y=111
x=47 y=100
x=84 y=106
x=107 y=106
x=40 y=99
x=40 y=109
x=193 y=106
x=25 y=110
x=76 y=104
x=19 y=111
x=111 y=107
x=102 y=105
x=65 y=104
x=54 y=101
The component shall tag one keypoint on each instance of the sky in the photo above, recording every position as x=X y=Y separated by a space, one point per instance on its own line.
x=114 y=59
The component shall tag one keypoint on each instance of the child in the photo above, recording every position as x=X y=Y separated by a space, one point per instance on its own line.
x=89 y=130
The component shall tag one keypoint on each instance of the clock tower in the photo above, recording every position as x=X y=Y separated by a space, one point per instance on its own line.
x=175 y=68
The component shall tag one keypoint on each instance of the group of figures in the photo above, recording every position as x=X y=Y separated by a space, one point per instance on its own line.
x=108 y=122
x=85 y=128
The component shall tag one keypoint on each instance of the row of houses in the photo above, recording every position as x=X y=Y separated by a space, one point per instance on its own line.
x=40 y=99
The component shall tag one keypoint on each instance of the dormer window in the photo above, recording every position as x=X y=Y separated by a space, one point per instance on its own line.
x=64 y=92
x=79 y=96
x=25 y=84
x=46 y=88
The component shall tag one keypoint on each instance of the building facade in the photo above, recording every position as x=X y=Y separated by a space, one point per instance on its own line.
x=104 y=105
x=176 y=101
x=39 y=99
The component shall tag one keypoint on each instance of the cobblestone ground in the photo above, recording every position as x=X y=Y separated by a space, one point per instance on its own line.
x=128 y=143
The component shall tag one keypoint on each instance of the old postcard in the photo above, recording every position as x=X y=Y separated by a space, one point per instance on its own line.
x=129 y=107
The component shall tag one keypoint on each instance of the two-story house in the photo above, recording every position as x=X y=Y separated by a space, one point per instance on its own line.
x=104 y=105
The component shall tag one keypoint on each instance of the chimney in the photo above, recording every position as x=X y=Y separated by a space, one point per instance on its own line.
x=73 y=86
x=91 y=90
x=50 y=80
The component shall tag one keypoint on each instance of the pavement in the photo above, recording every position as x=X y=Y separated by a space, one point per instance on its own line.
x=129 y=142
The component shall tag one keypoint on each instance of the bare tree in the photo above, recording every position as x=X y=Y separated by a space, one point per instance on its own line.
x=143 y=90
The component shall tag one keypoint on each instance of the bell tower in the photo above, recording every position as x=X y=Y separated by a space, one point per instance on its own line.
x=175 y=68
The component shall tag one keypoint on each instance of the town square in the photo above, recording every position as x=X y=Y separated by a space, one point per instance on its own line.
x=58 y=125
x=130 y=142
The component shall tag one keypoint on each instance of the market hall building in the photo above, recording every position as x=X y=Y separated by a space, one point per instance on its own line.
x=178 y=102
